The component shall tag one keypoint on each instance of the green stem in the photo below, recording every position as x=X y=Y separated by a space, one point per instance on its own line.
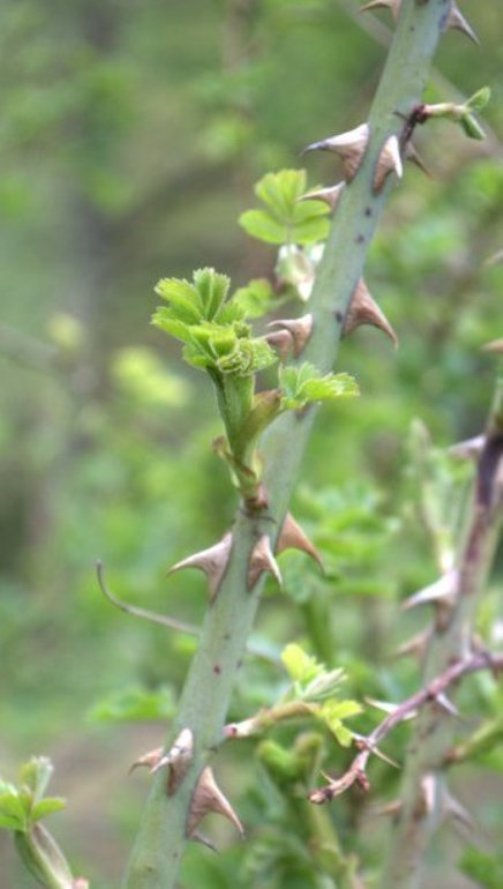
x=157 y=852
x=432 y=737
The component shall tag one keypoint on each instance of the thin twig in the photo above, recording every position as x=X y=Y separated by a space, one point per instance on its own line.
x=356 y=774
x=171 y=622
x=152 y=616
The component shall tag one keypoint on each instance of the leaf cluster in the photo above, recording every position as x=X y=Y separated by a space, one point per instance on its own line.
x=285 y=218
x=212 y=327
x=316 y=685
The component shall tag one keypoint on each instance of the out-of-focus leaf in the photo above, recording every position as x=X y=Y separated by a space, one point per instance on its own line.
x=301 y=667
x=285 y=219
x=135 y=704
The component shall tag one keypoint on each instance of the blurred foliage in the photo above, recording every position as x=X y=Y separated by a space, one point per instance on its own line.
x=132 y=136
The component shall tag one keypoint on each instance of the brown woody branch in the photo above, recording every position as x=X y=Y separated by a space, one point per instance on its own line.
x=433 y=692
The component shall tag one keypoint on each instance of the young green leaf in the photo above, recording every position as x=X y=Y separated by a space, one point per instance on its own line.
x=184 y=301
x=301 y=667
x=249 y=356
x=303 y=385
x=471 y=127
x=35 y=775
x=46 y=807
x=333 y=712
x=285 y=219
x=190 y=304
x=479 y=100
x=13 y=815
x=256 y=299
x=212 y=289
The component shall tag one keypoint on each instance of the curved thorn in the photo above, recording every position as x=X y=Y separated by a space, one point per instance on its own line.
x=364 y=310
x=207 y=797
x=328 y=195
x=389 y=161
x=262 y=559
x=457 y=22
x=300 y=330
x=350 y=146
x=292 y=536
x=212 y=562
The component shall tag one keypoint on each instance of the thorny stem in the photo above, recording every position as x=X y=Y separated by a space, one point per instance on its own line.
x=163 y=620
x=157 y=852
x=431 y=694
x=450 y=644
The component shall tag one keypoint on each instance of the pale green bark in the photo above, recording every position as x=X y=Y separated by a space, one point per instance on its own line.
x=203 y=707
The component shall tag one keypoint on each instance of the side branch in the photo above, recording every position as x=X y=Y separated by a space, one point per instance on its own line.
x=434 y=692
x=450 y=643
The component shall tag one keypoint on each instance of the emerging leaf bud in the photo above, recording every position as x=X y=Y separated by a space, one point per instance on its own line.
x=363 y=310
x=350 y=146
x=212 y=561
x=296 y=267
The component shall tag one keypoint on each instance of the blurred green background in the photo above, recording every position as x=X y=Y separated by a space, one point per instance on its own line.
x=131 y=135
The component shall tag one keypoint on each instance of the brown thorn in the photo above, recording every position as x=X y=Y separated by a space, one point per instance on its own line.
x=389 y=161
x=292 y=536
x=328 y=195
x=282 y=342
x=207 y=797
x=412 y=155
x=441 y=592
x=469 y=449
x=364 y=310
x=457 y=21
x=262 y=559
x=212 y=561
x=350 y=147
x=300 y=330
x=150 y=760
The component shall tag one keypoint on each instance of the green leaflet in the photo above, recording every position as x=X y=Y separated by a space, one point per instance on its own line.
x=285 y=218
x=304 y=385
x=214 y=330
